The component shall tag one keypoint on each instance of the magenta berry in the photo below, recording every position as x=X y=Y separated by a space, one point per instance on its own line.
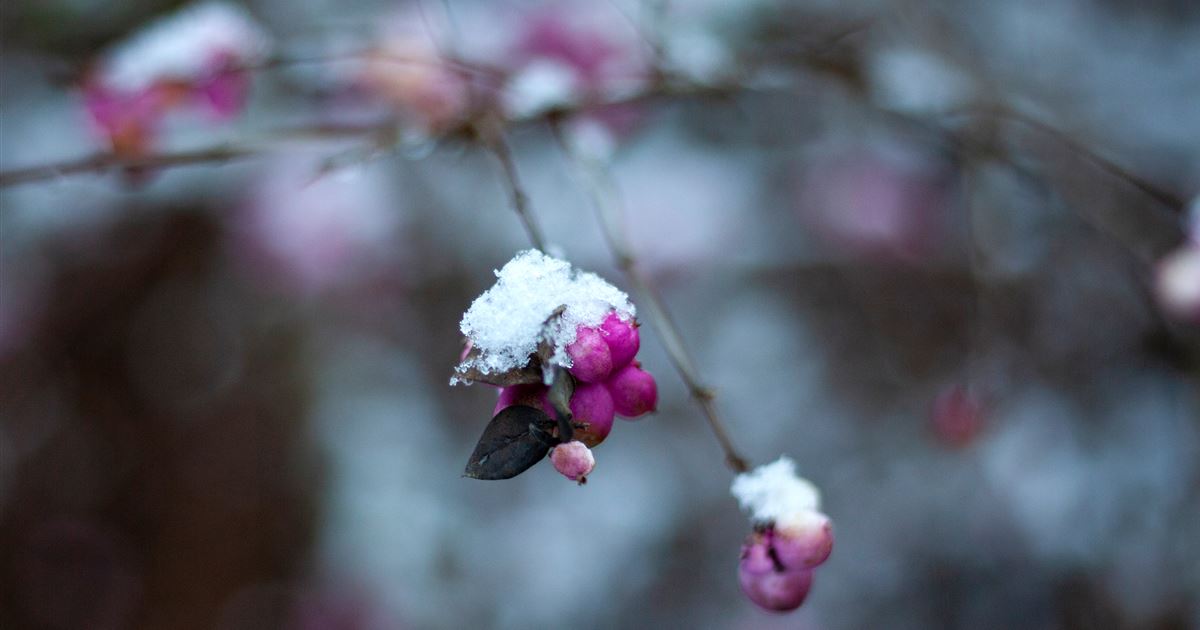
x=622 y=338
x=591 y=404
x=633 y=390
x=804 y=542
x=528 y=395
x=776 y=591
x=591 y=360
x=756 y=555
x=957 y=418
x=574 y=460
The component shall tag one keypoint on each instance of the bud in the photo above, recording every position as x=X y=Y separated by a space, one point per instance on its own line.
x=591 y=360
x=527 y=395
x=574 y=460
x=803 y=541
x=633 y=390
x=622 y=338
x=593 y=405
x=776 y=591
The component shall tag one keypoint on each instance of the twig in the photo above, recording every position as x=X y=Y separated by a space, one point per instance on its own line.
x=105 y=161
x=494 y=138
x=605 y=199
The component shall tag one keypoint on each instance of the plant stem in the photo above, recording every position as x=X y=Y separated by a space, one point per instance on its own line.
x=605 y=197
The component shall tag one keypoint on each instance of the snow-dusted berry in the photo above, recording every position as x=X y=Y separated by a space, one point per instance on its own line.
x=527 y=395
x=538 y=301
x=622 y=338
x=776 y=591
x=591 y=360
x=802 y=541
x=791 y=536
x=574 y=460
x=591 y=404
x=633 y=390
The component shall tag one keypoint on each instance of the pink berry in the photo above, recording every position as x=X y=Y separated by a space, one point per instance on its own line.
x=622 y=338
x=633 y=390
x=591 y=360
x=803 y=542
x=528 y=395
x=756 y=555
x=957 y=418
x=593 y=405
x=776 y=591
x=574 y=460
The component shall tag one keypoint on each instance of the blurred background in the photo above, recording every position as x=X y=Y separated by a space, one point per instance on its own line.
x=915 y=245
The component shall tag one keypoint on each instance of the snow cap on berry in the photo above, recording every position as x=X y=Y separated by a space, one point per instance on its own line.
x=508 y=321
x=774 y=493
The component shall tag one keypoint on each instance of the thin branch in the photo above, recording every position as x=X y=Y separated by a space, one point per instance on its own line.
x=1164 y=197
x=605 y=197
x=105 y=161
x=495 y=140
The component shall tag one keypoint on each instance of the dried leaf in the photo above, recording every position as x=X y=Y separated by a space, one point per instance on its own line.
x=516 y=439
x=531 y=373
x=561 y=390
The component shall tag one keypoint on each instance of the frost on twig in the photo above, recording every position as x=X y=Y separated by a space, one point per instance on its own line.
x=520 y=328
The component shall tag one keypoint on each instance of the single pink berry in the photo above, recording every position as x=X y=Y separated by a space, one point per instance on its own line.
x=804 y=541
x=574 y=460
x=957 y=418
x=633 y=390
x=756 y=555
x=528 y=395
x=591 y=360
x=622 y=338
x=593 y=405
x=776 y=591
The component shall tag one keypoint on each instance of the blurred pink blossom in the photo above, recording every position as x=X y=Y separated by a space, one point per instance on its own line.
x=877 y=202
x=307 y=231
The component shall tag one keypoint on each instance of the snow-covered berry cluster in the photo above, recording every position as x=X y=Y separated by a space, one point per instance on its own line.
x=544 y=314
x=791 y=537
x=197 y=56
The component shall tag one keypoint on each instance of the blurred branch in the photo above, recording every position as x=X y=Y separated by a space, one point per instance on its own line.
x=822 y=61
x=105 y=161
x=1164 y=197
x=493 y=136
x=605 y=197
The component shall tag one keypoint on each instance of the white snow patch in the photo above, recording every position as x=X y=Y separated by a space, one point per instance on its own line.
x=507 y=322
x=774 y=492
x=182 y=45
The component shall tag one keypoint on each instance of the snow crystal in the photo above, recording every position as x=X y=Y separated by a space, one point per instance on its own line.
x=506 y=323
x=182 y=45
x=773 y=492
